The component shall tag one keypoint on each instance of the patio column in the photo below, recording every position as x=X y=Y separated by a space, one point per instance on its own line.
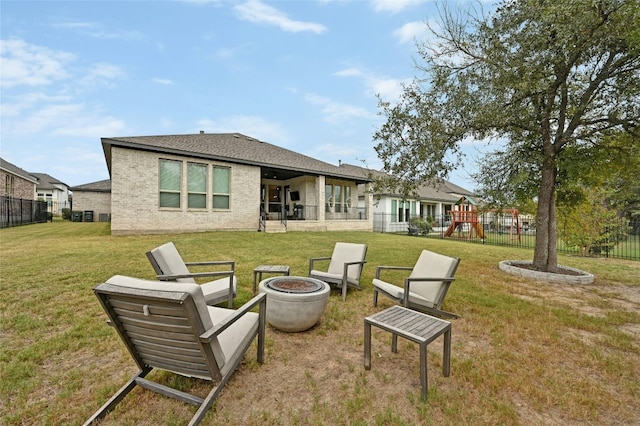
x=320 y=182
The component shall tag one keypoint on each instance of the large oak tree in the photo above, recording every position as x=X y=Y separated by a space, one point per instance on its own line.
x=545 y=76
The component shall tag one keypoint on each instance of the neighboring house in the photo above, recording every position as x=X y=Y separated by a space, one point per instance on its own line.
x=392 y=214
x=94 y=197
x=201 y=182
x=54 y=192
x=16 y=183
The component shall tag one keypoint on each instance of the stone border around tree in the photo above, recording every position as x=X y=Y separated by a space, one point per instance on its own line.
x=511 y=267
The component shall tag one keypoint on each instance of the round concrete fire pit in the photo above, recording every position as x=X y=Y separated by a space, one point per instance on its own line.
x=294 y=303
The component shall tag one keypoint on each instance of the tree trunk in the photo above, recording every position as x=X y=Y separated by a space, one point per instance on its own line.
x=545 y=256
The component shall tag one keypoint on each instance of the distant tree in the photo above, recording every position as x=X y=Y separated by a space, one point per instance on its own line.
x=548 y=77
x=591 y=225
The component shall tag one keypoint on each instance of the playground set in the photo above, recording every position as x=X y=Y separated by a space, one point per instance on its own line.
x=464 y=220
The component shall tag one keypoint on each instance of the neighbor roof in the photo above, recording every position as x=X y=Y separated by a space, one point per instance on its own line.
x=233 y=148
x=443 y=191
x=15 y=170
x=99 y=186
x=46 y=181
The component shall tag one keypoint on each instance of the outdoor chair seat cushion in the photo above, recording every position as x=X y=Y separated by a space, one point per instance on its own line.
x=397 y=293
x=333 y=278
x=236 y=337
x=227 y=347
x=217 y=289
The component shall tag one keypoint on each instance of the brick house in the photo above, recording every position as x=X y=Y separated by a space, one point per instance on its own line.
x=16 y=183
x=202 y=182
x=94 y=197
x=392 y=213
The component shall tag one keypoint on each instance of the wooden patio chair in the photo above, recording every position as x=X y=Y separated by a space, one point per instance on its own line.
x=168 y=326
x=169 y=266
x=345 y=266
x=426 y=286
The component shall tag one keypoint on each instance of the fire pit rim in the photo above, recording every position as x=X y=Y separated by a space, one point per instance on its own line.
x=312 y=285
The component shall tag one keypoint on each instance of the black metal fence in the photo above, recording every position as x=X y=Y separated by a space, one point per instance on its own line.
x=619 y=240
x=18 y=211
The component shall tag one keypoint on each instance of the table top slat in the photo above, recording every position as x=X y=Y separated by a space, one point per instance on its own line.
x=409 y=323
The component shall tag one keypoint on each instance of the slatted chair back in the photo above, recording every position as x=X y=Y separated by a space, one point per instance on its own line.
x=160 y=323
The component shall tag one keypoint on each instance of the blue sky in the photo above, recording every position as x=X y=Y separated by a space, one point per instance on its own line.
x=302 y=75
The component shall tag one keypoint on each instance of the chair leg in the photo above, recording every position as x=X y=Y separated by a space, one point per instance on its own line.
x=208 y=401
x=375 y=297
x=116 y=398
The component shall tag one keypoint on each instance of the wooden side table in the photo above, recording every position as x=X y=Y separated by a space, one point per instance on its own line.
x=269 y=269
x=415 y=326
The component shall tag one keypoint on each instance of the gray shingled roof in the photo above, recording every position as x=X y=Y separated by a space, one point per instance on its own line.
x=445 y=191
x=233 y=148
x=46 y=181
x=13 y=169
x=99 y=186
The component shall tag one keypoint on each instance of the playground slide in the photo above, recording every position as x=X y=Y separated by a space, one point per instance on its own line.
x=476 y=225
x=479 y=230
x=450 y=229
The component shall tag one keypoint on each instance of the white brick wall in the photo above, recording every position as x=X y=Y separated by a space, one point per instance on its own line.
x=135 y=197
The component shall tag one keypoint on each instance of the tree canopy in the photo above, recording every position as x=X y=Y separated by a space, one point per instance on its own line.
x=552 y=79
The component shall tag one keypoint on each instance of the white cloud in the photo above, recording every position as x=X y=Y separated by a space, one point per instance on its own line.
x=163 y=81
x=335 y=112
x=250 y=125
x=410 y=31
x=388 y=88
x=100 y=75
x=24 y=64
x=97 y=30
x=349 y=72
x=65 y=120
x=393 y=6
x=258 y=12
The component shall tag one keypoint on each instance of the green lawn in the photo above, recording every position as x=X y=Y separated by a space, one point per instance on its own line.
x=523 y=352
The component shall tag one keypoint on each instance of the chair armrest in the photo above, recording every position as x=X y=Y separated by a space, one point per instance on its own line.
x=379 y=269
x=313 y=259
x=169 y=277
x=346 y=268
x=260 y=299
x=232 y=263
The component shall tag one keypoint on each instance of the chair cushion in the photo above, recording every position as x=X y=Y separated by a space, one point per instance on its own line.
x=397 y=293
x=170 y=261
x=235 y=338
x=214 y=290
x=171 y=286
x=345 y=253
x=331 y=278
x=432 y=265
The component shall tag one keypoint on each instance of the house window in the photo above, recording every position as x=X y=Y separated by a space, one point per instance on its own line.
x=328 y=198
x=338 y=197
x=8 y=185
x=170 y=178
x=401 y=211
x=221 y=187
x=347 y=198
x=196 y=186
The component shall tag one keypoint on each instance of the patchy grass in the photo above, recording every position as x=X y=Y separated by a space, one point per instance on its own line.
x=523 y=352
